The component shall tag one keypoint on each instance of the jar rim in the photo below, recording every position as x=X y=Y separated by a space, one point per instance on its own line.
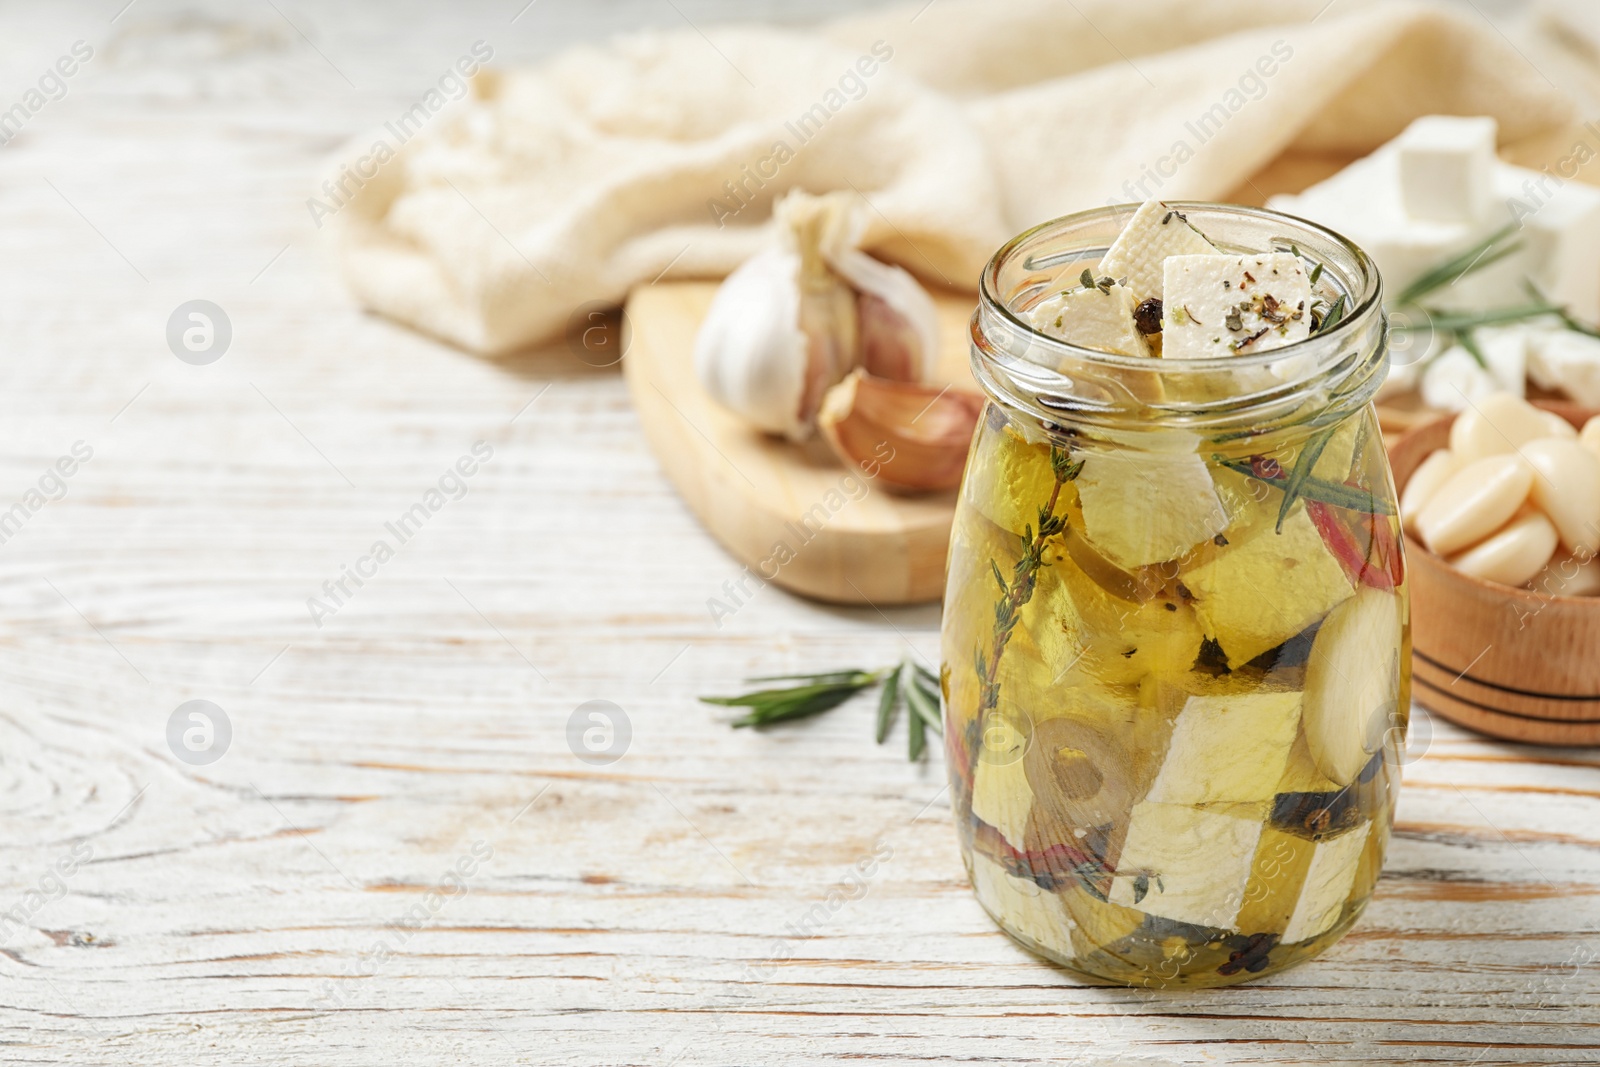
x=989 y=297
x=1058 y=383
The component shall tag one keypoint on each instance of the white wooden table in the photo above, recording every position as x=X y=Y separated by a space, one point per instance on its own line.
x=280 y=905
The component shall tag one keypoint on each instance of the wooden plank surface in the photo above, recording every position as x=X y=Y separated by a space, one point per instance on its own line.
x=671 y=907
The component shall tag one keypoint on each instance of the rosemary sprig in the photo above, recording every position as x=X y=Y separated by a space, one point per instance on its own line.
x=1568 y=319
x=1447 y=322
x=1485 y=253
x=1314 y=488
x=1315 y=445
x=1468 y=341
x=916 y=740
x=922 y=697
x=821 y=692
x=905 y=682
x=1330 y=318
x=888 y=704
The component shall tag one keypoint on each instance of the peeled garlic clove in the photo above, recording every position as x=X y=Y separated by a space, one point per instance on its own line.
x=1569 y=575
x=1473 y=503
x=751 y=354
x=1513 y=556
x=1590 y=437
x=1566 y=487
x=1556 y=426
x=1424 y=483
x=910 y=437
x=1495 y=425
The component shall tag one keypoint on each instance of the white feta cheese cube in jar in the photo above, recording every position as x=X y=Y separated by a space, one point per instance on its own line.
x=1231 y=748
x=1154 y=234
x=1093 y=318
x=1194 y=861
x=1218 y=306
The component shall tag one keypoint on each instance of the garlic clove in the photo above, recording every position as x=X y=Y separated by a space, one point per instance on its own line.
x=1496 y=425
x=1566 y=487
x=1425 y=482
x=1515 y=554
x=911 y=437
x=899 y=325
x=1590 y=436
x=890 y=347
x=751 y=354
x=1569 y=575
x=1473 y=503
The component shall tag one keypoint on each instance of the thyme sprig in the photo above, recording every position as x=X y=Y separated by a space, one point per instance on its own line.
x=906 y=682
x=1015 y=594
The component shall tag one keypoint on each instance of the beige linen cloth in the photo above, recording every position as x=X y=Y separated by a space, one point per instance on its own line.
x=657 y=154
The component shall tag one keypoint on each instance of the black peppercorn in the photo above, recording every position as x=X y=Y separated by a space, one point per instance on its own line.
x=1147 y=316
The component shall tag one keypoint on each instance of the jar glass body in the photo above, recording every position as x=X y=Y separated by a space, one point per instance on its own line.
x=1176 y=633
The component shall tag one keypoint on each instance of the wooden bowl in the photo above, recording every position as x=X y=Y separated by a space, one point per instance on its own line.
x=1511 y=663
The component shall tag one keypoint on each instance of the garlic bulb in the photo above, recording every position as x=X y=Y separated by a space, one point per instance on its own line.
x=796 y=318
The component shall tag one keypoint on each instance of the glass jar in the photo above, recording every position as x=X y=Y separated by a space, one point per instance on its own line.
x=1176 y=638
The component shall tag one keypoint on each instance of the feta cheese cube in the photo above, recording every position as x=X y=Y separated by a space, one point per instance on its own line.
x=1001 y=797
x=1038 y=915
x=1093 y=318
x=1140 y=509
x=1446 y=168
x=1332 y=875
x=1266 y=587
x=1155 y=233
x=1228 y=748
x=1505 y=349
x=1234 y=305
x=1193 y=864
x=1011 y=479
x=1566 y=361
x=1560 y=228
x=1455 y=381
x=1364 y=203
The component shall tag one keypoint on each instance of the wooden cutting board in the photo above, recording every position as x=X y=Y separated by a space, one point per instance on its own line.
x=787 y=511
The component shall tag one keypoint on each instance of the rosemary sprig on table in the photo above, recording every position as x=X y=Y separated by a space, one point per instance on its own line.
x=822 y=692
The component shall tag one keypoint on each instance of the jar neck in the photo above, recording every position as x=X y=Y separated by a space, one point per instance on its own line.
x=1064 y=388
